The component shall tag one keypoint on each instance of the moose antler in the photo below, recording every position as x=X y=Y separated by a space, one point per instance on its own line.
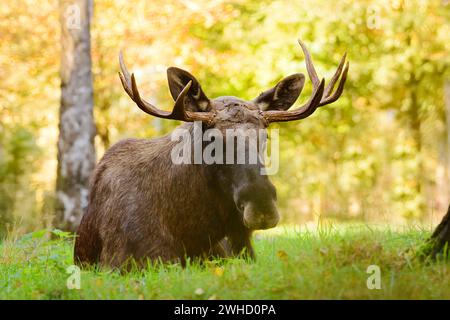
x=178 y=112
x=321 y=96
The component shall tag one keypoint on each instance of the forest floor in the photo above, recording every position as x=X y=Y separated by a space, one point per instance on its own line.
x=330 y=262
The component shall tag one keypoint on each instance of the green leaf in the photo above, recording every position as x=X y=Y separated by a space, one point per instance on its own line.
x=61 y=234
x=39 y=234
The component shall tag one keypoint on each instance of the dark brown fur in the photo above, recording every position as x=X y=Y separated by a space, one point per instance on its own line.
x=143 y=206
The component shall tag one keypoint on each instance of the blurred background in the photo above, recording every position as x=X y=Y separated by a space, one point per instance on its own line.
x=379 y=154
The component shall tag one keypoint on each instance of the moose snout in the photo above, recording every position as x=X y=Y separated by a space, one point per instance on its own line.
x=260 y=218
x=256 y=202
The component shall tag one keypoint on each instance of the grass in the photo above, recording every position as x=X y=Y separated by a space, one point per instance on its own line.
x=328 y=263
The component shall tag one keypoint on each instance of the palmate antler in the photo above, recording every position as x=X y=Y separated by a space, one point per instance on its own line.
x=321 y=96
x=178 y=112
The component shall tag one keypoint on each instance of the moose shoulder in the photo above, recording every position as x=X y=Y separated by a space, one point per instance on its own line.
x=144 y=206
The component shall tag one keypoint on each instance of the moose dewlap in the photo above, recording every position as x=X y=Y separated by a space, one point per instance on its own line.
x=143 y=206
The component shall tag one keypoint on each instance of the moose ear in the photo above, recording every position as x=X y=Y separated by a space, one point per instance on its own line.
x=283 y=95
x=196 y=98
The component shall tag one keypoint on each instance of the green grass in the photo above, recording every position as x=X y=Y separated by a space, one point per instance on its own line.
x=292 y=263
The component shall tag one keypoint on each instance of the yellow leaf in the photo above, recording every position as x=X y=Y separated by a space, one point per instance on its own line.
x=282 y=255
x=218 y=271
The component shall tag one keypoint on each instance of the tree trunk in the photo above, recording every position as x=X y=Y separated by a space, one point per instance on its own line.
x=447 y=120
x=76 y=152
x=439 y=241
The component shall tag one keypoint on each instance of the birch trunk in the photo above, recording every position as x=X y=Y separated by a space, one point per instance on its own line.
x=76 y=152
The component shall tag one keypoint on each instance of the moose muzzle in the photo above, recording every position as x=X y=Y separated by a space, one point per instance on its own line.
x=257 y=217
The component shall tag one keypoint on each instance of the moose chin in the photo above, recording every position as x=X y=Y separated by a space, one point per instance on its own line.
x=143 y=207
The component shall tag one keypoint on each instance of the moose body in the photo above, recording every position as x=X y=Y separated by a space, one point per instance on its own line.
x=143 y=206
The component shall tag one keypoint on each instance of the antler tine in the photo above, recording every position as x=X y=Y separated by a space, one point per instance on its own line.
x=327 y=97
x=321 y=95
x=178 y=113
x=339 y=90
x=309 y=65
x=125 y=76
x=335 y=77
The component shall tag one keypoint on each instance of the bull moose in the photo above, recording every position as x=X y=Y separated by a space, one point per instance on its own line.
x=143 y=207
